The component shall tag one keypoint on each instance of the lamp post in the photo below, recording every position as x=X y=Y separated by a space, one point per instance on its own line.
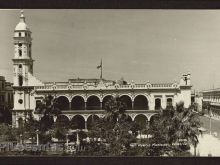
x=20 y=138
x=37 y=134
x=67 y=141
x=77 y=139
x=210 y=121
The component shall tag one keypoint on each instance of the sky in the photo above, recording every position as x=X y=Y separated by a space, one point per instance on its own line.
x=140 y=45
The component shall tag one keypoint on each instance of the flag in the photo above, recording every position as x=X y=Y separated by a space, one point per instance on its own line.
x=100 y=66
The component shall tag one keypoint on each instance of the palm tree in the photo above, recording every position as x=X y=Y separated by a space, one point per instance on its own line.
x=187 y=125
x=48 y=109
x=115 y=109
x=114 y=129
x=177 y=125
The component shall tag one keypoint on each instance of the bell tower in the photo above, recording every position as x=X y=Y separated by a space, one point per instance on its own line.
x=22 y=61
x=22 y=72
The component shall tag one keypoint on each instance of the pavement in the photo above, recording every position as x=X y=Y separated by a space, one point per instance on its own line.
x=209 y=141
x=208 y=145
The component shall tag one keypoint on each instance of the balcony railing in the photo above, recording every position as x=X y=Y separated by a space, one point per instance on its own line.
x=68 y=86
x=97 y=111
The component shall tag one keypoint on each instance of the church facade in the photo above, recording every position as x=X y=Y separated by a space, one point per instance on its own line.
x=83 y=99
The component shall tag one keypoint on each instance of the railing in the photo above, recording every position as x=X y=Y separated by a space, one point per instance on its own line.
x=162 y=85
x=140 y=85
x=67 y=86
x=135 y=111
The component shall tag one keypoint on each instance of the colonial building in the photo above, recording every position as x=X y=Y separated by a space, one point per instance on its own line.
x=6 y=94
x=83 y=99
x=212 y=98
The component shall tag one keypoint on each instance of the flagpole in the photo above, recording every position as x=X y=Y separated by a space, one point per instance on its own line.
x=101 y=70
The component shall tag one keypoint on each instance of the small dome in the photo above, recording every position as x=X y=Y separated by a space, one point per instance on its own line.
x=22 y=25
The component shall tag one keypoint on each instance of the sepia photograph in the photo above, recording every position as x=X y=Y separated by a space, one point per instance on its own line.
x=109 y=83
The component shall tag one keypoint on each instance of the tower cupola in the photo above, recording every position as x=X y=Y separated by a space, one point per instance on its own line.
x=22 y=26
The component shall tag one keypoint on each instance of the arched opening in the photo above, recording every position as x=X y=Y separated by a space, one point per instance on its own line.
x=127 y=100
x=154 y=119
x=157 y=104
x=140 y=102
x=78 y=103
x=91 y=121
x=62 y=121
x=169 y=102
x=141 y=120
x=20 y=66
x=20 y=80
x=77 y=122
x=20 y=123
x=93 y=103
x=63 y=103
x=20 y=52
x=105 y=99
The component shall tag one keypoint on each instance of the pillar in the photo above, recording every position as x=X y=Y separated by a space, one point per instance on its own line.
x=70 y=106
x=85 y=106
x=151 y=104
x=132 y=104
x=100 y=105
x=163 y=102
x=86 y=124
x=147 y=124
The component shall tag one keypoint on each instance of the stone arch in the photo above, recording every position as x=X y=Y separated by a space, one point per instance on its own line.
x=77 y=103
x=77 y=122
x=93 y=103
x=105 y=99
x=91 y=120
x=157 y=103
x=141 y=120
x=127 y=100
x=63 y=103
x=63 y=95
x=141 y=102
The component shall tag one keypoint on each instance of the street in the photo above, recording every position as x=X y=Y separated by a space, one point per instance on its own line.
x=209 y=145
x=215 y=125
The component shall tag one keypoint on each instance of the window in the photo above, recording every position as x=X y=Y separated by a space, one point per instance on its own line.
x=19 y=34
x=20 y=52
x=20 y=101
x=20 y=68
x=20 y=123
x=169 y=102
x=20 y=44
x=20 y=80
x=157 y=104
